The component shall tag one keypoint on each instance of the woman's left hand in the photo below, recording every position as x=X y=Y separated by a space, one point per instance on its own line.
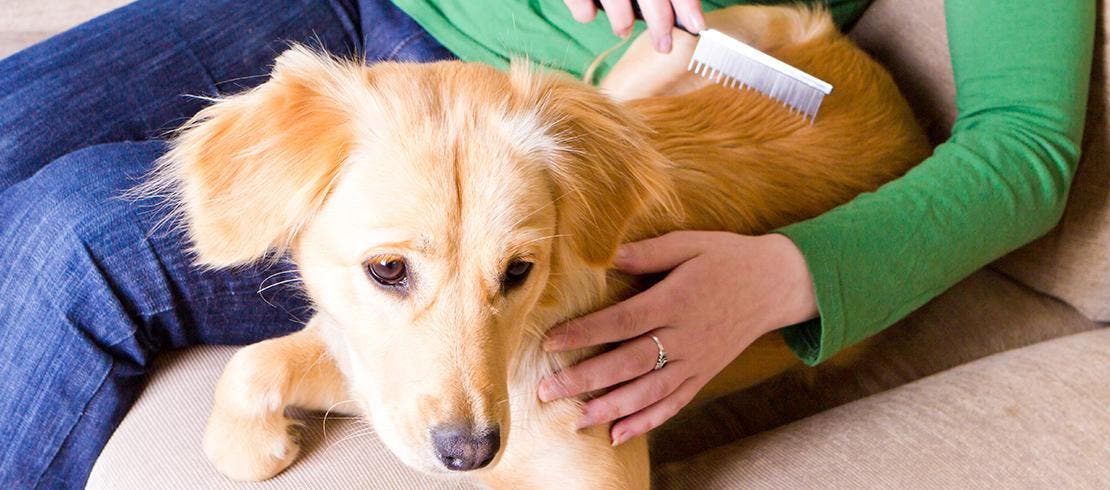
x=722 y=292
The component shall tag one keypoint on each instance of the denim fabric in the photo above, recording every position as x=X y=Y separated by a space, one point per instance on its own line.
x=88 y=294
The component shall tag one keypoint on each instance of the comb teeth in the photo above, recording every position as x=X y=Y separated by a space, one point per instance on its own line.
x=722 y=59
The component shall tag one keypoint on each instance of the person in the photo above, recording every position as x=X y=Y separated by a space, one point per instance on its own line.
x=90 y=296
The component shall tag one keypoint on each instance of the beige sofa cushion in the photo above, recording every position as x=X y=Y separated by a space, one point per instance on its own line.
x=23 y=22
x=1030 y=418
x=985 y=314
x=1072 y=262
x=158 y=444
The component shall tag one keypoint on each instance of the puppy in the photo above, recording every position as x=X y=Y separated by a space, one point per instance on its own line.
x=443 y=216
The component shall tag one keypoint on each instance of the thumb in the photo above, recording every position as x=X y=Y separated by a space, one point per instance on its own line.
x=658 y=254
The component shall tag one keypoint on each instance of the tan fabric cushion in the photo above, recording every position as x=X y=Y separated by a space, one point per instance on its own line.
x=24 y=23
x=158 y=444
x=1030 y=418
x=1073 y=261
x=985 y=314
x=909 y=38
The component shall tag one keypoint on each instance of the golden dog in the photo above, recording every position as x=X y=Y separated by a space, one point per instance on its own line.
x=443 y=216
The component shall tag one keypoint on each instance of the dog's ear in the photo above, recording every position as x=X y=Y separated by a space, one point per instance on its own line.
x=247 y=172
x=604 y=168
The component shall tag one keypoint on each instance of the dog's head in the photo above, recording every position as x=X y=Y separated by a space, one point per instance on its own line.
x=433 y=210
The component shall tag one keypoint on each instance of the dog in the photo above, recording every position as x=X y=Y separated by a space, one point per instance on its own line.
x=443 y=216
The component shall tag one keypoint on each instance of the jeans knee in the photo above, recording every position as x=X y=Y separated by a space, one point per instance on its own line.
x=73 y=248
x=76 y=249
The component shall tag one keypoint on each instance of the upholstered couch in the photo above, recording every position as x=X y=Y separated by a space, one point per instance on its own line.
x=1001 y=381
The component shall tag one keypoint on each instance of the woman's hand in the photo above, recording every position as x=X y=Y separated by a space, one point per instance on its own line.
x=660 y=16
x=723 y=291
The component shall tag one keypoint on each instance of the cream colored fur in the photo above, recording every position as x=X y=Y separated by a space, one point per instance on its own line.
x=459 y=168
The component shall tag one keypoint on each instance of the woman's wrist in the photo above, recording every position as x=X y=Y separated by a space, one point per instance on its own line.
x=792 y=282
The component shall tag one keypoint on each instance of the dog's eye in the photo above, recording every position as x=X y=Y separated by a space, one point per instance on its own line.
x=515 y=274
x=388 y=270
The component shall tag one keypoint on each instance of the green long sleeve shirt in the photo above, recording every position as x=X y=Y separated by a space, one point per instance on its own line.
x=496 y=31
x=1021 y=72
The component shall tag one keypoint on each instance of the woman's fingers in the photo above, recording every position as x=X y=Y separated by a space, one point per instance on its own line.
x=659 y=254
x=620 y=16
x=581 y=10
x=724 y=291
x=633 y=397
x=627 y=319
x=660 y=15
x=653 y=416
x=626 y=362
x=660 y=20
x=641 y=313
x=689 y=14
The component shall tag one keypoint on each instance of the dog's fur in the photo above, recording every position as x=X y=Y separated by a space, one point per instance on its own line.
x=459 y=168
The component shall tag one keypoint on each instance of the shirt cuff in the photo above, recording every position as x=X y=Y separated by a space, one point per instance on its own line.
x=816 y=340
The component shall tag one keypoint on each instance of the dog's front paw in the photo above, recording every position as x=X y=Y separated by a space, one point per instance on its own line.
x=250 y=448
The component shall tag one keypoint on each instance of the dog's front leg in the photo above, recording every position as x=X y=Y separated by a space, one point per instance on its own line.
x=248 y=437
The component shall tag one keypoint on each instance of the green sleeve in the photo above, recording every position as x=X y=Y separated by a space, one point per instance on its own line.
x=543 y=31
x=1021 y=71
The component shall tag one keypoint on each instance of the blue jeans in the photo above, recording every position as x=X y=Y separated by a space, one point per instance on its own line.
x=88 y=297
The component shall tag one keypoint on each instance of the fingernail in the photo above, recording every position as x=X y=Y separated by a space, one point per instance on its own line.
x=586 y=421
x=694 y=23
x=622 y=251
x=624 y=33
x=619 y=437
x=663 y=43
x=552 y=342
x=545 y=392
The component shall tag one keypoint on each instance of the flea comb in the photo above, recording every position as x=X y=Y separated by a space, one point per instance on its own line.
x=728 y=61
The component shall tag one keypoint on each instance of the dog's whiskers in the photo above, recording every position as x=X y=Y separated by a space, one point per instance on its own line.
x=279 y=283
x=271 y=276
x=263 y=287
x=237 y=79
x=324 y=424
x=366 y=431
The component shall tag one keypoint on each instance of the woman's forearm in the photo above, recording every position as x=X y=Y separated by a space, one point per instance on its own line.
x=1021 y=72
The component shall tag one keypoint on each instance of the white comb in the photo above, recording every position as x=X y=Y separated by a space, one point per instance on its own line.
x=728 y=61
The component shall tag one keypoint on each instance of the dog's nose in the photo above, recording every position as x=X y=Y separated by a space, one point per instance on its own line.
x=460 y=448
